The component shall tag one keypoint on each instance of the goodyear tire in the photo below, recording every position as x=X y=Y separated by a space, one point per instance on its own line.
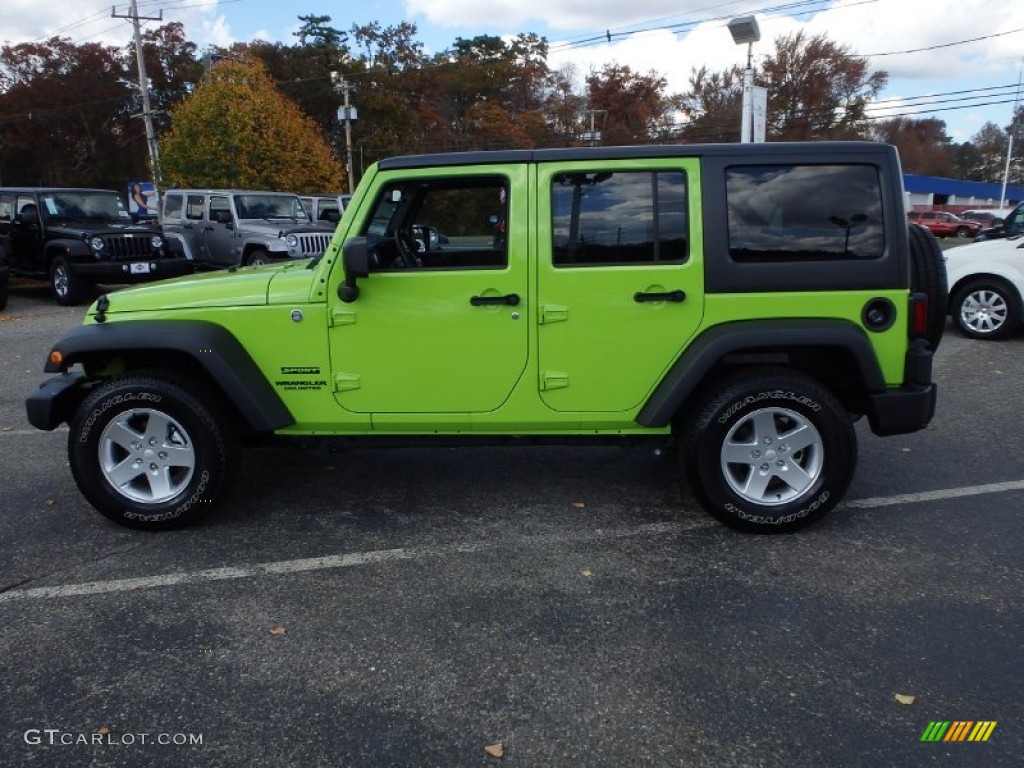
x=149 y=452
x=928 y=276
x=772 y=452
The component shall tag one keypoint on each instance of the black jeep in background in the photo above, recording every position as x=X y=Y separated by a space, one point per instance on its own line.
x=75 y=238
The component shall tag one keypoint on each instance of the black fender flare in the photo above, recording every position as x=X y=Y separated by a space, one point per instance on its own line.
x=65 y=246
x=752 y=336
x=212 y=346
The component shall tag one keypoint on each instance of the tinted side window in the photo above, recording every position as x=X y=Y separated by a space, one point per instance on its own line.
x=219 y=203
x=6 y=208
x=804 y=212
x=457 y=223
x=194 y=208
x=172 y=206
x=633 y=217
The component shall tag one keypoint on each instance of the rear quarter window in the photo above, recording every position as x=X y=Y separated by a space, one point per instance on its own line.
x=804 y=213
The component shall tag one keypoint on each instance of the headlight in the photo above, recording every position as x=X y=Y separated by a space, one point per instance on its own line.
x=157 y=242
x=291 y=241
x=96 y=243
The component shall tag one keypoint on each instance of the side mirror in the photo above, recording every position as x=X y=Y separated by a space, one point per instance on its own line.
x=355 y=258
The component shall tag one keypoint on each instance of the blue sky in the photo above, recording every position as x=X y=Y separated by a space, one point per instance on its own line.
x=920 y=43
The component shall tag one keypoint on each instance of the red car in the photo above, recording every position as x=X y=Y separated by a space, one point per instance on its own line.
x=944 y=224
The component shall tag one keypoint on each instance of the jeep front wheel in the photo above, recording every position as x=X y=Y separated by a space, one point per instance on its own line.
x=150 y=453
x=257 y=258
x=772 y=452
x=67 y=286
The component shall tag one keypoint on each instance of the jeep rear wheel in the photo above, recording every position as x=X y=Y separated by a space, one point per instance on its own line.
x=772 y=452
x=67 y=286
x=928 y=276
x=150 y=453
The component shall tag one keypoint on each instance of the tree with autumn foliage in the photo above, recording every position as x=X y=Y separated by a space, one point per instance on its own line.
x=66 y=117
x=237 y=130
x=817 y=89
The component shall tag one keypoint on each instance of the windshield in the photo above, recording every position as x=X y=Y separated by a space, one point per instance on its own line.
x=269 y=207
x=77 y=204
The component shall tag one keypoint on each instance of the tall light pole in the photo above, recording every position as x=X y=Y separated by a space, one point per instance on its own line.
x=744 y=30
x=1009 y=147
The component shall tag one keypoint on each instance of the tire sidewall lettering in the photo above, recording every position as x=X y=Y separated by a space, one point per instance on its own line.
x=774 y=394
x=118 y=399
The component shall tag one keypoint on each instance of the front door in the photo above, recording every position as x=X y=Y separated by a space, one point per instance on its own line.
x=620 y=284
x=27 y=234
x=440 y=324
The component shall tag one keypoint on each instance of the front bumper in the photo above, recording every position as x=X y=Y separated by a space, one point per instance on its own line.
x=56 y=401
x=132 y=271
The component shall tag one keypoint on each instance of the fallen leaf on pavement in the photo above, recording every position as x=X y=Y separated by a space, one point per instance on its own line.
x=278 y=631
x=103 y=731
x=586 y=573
x=905 y=699
x=579 y=504
x=495 y=750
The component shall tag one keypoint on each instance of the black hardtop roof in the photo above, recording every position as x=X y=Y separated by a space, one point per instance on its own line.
x=40 y=190
x=753 y=152
x=211 y=191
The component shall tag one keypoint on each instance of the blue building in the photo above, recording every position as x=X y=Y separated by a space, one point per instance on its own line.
x=953 y=194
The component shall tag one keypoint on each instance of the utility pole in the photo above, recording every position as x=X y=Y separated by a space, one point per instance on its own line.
x=1009 y=147
x=147 y=112
x=346 y=113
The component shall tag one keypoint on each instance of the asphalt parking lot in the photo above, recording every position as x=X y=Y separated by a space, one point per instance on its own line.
x=412 y=607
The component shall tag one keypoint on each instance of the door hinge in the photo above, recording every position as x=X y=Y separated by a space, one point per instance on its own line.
x=341 y=316
x=344 y=382
x=553 y=313
x=553 y=380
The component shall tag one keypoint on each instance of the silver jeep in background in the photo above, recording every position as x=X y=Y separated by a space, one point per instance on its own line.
x=231 y=227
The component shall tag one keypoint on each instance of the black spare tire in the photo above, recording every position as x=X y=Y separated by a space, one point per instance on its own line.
x=928 y=276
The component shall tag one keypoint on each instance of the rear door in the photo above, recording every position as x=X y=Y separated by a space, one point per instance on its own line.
x=620 y=283
x=221 y=237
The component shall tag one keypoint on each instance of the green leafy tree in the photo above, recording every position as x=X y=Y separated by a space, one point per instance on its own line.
x=237 y=130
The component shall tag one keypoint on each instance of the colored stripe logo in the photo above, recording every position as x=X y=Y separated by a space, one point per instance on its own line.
x=958 y=730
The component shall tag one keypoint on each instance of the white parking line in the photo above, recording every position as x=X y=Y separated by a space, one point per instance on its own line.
x=27 y=432
x=940 y=495
x=337 y=561
x=416 y=553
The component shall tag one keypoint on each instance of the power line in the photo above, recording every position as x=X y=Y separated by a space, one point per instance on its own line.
x=942 y=45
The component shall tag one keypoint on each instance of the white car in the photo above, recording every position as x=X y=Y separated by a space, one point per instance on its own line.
x=986 y=283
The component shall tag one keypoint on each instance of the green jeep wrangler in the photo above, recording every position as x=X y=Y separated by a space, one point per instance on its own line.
x=745 y=303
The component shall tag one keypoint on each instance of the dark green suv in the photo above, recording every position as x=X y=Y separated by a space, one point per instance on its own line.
x=743 y=303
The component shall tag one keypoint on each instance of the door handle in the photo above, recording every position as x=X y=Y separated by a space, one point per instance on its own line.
x=675 y=295
x=511 y=299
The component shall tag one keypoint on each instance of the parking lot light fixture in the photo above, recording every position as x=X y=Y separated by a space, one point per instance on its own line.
x=744 y=30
